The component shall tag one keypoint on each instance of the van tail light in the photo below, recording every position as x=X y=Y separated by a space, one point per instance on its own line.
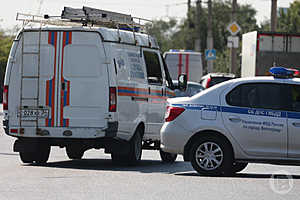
x=208 y=82
x=173 y=112
x=112 y=99
x=5 y=97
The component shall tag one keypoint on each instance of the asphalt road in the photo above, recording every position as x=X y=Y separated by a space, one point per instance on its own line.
x=96 y=177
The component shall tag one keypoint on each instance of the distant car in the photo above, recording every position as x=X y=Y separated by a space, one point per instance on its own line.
x=191 y=89
x=241 y=121
x=212 y=79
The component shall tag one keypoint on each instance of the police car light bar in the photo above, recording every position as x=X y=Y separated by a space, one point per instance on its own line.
x=281 y=72
x=180 y=50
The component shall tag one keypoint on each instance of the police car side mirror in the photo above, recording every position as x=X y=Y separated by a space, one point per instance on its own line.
x=182 y=82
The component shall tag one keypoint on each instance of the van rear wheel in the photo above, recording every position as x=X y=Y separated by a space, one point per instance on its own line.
x=26 y=157
x=42 y=155
x=39 y=156
x=74 y=153
x=135 y=151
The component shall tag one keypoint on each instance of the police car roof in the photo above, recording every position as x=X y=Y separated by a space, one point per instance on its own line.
x=266 y=79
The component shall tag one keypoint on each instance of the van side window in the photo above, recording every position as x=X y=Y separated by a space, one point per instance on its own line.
x=258 y=95
x=154 y=74
x=136 y=69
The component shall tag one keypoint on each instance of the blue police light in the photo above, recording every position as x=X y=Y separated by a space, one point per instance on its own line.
x=281 y=72
x=180 y=50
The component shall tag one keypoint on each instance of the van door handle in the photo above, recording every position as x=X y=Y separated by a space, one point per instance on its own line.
x=296 y=124
x=139 y=99
x=235 y=119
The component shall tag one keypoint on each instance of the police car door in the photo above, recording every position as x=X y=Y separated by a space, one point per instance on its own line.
x=293 y=121
x=252 y=113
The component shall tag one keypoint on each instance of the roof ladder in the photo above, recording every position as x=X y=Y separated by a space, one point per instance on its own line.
x=34 y=100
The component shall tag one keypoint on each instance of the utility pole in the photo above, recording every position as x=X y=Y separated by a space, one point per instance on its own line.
x=188 y=41
x=209 y=39
x=274 y=15
x=233 y=51
x=198 y=25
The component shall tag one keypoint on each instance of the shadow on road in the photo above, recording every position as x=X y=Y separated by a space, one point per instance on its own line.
x=242 y=175
x=145 y=166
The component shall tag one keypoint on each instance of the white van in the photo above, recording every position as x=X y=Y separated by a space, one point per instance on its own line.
x=83 y=88
x=184 y=62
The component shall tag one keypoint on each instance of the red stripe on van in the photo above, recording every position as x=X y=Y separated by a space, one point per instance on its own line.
x=187 y=60
x=133 y=89
x=52 y=40
x=64 y=96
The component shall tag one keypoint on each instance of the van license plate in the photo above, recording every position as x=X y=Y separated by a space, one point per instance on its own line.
x=33 y=113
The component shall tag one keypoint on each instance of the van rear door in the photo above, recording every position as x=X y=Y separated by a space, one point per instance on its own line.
x=73 y=80
x=83 y=95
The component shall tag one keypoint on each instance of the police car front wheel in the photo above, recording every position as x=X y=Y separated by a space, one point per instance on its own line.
x=210 y=155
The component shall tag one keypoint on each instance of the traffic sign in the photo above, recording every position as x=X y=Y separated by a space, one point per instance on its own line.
x=210 y=54
x=233 y=42
x=233 y=28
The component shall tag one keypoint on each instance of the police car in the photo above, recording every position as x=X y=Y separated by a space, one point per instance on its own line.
x=222 y=129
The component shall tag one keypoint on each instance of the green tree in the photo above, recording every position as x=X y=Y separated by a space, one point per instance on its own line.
x=5 y=45
x=163 y=31
x=290 y=21
x=172 y=34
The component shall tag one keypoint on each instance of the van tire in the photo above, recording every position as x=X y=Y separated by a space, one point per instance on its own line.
x=135 y=151
x=167 y=157
x=27 y=157
x=224 y=155
x=74 y=153
x=42 y=155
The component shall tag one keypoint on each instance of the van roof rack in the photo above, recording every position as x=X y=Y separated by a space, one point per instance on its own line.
x=88 y=16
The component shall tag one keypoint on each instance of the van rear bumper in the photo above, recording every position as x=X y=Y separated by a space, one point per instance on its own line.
x=63 y=132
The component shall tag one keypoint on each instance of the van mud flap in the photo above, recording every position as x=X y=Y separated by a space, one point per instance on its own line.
x=112 y=129
x=6 y=127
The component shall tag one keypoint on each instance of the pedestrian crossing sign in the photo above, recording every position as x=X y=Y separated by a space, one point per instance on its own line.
x=210 y=54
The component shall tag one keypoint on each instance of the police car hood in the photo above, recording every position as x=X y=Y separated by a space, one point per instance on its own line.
x=209 y=96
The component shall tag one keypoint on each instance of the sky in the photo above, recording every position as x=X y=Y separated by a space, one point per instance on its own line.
x=149 y=9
